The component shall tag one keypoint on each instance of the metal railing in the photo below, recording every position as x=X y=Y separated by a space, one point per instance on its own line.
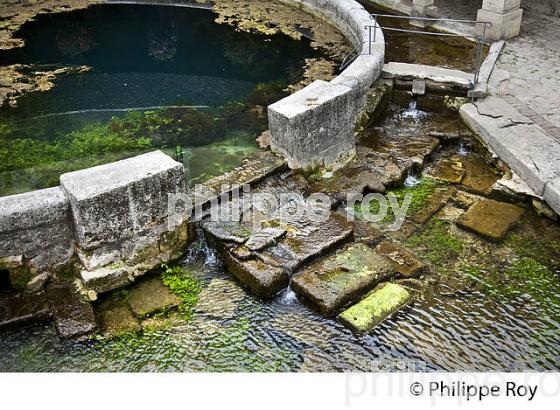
x=479 y=39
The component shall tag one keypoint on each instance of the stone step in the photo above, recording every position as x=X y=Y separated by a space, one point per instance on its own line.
x=377 y=306
x=331 y=284
x=73 y=315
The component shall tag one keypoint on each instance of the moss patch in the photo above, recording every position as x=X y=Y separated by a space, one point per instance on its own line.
x=181 y=282
x=436 y=243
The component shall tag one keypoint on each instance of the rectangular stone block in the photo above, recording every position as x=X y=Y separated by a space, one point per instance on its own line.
x=504 y=26
x=501 y=6
x=375 y=307
x=115 y=201
x=38 y=226
x=314 y=127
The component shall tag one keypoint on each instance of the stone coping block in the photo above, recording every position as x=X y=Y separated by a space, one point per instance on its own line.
x=31 y=209
x=314 y=127
x=330 y=141
x=36 y=228
x=377 y=306
x=114 y=201
x=408 y=71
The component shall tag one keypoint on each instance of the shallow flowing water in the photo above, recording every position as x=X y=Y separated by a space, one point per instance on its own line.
x=502 y=313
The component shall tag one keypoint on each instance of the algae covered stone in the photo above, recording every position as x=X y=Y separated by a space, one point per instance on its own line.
x=377 y=306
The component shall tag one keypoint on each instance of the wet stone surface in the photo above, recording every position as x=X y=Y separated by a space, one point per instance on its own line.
x=375 y=307
x=330 y=284
x=116 y=319
x=490 y=218
x=21 y=309
x=150 y=296
x=73 y=315
x=403 y=261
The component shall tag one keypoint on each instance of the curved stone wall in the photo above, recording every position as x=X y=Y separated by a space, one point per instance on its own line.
x=315 y=126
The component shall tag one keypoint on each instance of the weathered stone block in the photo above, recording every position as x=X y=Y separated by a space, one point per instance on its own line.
x=501 y=6
x=112 y=202
x=106 y=278
x=490 y=218
x=504 y=25
x=36 y=228
x=375 y=307
x=315 y=126
x=342 y=278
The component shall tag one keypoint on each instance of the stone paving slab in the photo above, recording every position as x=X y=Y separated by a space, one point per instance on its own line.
x=375 y=307
x=490 y=218
x=330 y=284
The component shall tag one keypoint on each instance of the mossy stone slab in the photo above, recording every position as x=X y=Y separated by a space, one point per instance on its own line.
x=331 y=284
x=490 y=218
x=377 y=306
x=151 y=296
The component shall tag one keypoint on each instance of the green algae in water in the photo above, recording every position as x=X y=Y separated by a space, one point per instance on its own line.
x=436 y=243
x=180 y=282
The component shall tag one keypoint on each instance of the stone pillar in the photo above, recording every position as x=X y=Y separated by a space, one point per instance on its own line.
x=505 y=16
x=423 y=8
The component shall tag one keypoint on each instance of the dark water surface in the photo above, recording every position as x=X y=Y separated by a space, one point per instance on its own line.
x=149 y=60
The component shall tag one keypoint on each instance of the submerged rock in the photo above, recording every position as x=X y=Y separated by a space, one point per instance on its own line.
x=73 y=314
x=404 y=263
x=151 y=296
x=448 y=169
x=479 y=176
x=377 y=306
x=340 y=279
x=490 y=218
x=116 y=319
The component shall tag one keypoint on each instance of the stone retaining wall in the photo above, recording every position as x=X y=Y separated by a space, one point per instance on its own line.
x=315 y=126
x=107 y=224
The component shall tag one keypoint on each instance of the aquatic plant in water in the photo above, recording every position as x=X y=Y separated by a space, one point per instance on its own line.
x=180 y=281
